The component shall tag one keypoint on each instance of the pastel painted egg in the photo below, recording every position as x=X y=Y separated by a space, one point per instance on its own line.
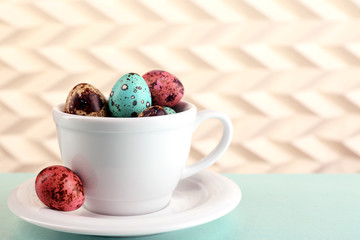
x=169 y=110
x=165 y=88
x=60 y=188
x=153 y=111
x=85 y=99
x=129 y=96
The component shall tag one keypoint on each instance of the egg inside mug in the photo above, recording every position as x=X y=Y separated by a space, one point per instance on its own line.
x=131 y=96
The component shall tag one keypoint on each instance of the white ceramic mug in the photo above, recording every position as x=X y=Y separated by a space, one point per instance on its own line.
x=131 y=166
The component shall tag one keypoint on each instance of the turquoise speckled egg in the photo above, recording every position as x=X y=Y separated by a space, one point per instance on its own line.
x=169 y=110
x=129 y=96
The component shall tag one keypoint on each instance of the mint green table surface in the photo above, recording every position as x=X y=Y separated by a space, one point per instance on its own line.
x=273 y=207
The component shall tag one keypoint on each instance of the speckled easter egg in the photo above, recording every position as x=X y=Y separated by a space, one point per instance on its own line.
x=85 y=99
x=169 y=110
x=59 y=188
x=165 y=88
x=129 y=96
x=153 y=111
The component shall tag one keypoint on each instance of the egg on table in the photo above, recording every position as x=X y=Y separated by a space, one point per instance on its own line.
x=165 y=88
x=85 y=99
x=59 y=188
x=129 y=96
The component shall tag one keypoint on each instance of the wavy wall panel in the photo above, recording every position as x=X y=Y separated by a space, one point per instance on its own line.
x=286 y=72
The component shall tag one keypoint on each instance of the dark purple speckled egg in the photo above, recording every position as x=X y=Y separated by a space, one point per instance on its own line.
x=59 y=188
x=85 y=99
x=166 y=89
x=153 y=111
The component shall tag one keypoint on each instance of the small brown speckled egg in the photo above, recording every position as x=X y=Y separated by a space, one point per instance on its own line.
x=59 y=188
x=166 y=89
x=85 y=99
x=153 y=111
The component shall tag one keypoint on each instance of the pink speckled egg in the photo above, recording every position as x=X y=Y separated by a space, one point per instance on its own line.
x=165 y=88
x=60 y=188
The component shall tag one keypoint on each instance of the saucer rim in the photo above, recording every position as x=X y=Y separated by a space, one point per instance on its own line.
x=15 y=205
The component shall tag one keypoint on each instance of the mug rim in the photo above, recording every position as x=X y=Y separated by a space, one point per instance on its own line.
x=122 y=124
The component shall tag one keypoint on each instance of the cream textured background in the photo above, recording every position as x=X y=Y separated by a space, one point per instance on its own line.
x=286 y=72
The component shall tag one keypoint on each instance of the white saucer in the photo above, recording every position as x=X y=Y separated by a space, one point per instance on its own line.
x=198 y=199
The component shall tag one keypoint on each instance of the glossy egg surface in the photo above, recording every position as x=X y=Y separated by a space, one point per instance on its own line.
x=59 y=188
x=169 y=110
x=153 y=111
x=129 y=96
x=85 y=99
x=165 y=88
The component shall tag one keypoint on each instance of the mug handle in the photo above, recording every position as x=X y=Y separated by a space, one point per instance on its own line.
x=220 y=148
